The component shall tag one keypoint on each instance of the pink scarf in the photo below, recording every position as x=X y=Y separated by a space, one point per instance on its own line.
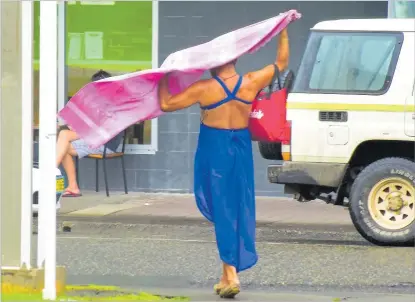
x=102 y=109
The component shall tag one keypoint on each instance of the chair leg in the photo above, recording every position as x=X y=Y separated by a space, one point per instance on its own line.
x=104 y=162
x=123 y=175
x=96 y=175
x=77 y=170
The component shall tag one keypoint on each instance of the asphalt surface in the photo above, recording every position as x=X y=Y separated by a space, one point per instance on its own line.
x=178 y=258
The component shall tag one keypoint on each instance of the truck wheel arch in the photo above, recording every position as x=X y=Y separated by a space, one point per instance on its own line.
x=370 y=151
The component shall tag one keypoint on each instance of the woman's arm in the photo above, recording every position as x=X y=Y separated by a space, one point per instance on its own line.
x=262 y=78
x=283 y=47
x=186 y=98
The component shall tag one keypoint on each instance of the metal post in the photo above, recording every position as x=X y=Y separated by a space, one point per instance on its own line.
x=155 y=63
x=48 y=74
x=11 y=131
x=62 y=69
x=27 y=131
x=1 y=114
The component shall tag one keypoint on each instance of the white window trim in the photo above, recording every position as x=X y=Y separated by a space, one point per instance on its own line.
x=153 y=147
x=62 y=68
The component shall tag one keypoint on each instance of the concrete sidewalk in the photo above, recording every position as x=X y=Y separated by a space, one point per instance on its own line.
x=121 y=207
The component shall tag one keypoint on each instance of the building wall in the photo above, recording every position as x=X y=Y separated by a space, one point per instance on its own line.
x=183 y=24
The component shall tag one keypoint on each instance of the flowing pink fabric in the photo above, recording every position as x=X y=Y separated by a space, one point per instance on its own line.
x=102 y=109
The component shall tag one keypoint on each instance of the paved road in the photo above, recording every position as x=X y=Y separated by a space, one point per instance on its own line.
x=177 y=257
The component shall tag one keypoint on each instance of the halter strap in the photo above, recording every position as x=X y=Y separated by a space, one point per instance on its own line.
x=229 y=95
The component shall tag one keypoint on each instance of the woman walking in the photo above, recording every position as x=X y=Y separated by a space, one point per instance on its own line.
x=223 y=170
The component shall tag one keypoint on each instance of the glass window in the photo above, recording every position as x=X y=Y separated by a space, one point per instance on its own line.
x=114 y=36
x=348 y=63
x=401 y=9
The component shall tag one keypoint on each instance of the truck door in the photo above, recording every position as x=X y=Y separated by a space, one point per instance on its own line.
x=410 y=114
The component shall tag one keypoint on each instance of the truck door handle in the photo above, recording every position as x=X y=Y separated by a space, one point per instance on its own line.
x=333 y=116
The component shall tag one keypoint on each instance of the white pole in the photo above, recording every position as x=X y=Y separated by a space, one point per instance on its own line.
x=62 y=88
x=155 y=63
x=27 y=131
x=41 y=221
x=47 y=108
x=1 y=110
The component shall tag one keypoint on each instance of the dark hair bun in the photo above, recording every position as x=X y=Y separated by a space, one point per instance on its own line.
x=101 y=74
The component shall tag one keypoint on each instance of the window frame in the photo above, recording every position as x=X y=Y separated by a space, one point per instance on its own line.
x=302 y=83
x=151 y=148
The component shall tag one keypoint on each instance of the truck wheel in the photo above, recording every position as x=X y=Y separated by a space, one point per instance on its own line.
x=272 y=151
x=382 y=202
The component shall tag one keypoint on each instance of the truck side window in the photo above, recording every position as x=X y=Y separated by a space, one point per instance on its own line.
x=349 y=63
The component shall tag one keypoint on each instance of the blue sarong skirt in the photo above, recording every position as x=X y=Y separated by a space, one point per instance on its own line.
x=225 y=193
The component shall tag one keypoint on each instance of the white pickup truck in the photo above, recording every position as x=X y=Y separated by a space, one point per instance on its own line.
x=352 y=115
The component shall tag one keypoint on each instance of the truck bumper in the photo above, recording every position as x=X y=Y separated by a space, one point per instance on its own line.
x=315 y=174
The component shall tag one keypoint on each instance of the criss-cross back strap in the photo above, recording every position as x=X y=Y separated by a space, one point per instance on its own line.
x=229 y=95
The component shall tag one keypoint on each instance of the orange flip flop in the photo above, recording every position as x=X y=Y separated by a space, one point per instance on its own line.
x=69 y=193
x=218 y=287
x=230 y=291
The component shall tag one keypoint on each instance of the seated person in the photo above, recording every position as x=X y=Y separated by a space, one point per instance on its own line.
x=69 y=145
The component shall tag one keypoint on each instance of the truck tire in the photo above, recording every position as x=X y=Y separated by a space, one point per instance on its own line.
x=272 y=151
x=382 y=202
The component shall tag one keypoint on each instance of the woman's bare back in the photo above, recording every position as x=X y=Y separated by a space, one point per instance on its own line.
x=233 y=114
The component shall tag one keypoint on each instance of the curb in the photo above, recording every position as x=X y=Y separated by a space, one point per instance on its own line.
x=88 y=293
x=83 y=221
x=204 y=295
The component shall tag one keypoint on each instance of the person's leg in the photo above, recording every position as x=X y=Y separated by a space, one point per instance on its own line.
x=80 y=149
x=232 y=285
x=223 y=280
x=230 y=274
x=69 y=166
x=236 y=207
x=76 y=148
x=229 y=278
x=63 y=144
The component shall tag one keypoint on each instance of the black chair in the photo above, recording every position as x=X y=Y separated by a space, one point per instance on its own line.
x=104 y=157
